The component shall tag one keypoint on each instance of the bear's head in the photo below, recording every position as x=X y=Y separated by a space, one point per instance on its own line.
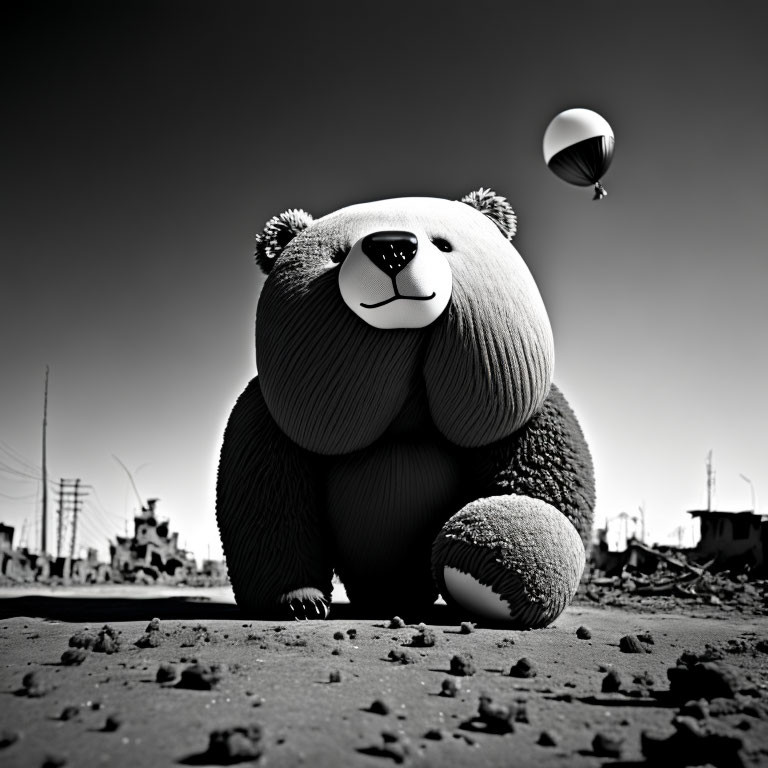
x=381 y=304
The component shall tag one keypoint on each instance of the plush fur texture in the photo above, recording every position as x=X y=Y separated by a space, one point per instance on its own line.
x=356 y=445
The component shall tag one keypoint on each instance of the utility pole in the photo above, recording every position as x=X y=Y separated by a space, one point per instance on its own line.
x=60 y=526
x=70 y=501
x=44 y=528
x=75 y=509
x=710 y=481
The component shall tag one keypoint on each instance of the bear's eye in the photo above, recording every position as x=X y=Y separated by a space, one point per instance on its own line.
x=442 y=244
x=339 y=255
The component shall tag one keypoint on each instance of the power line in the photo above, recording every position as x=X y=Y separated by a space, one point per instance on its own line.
x=71 y=496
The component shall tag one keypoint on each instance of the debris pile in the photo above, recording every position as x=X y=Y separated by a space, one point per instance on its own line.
x=649 y=578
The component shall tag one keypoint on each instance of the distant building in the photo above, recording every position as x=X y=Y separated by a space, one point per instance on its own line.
x=152 y=553
x=6 y=537
x=733 y=539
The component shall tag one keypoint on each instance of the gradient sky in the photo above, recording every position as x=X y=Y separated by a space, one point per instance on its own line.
x=144 y=144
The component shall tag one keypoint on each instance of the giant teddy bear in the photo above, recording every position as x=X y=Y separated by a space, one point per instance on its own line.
x=403 y=430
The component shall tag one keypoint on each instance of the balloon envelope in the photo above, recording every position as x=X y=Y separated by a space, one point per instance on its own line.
x=578 y=147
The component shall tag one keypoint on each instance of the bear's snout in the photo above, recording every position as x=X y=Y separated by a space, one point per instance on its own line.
x=390 y=250
x=396 y=278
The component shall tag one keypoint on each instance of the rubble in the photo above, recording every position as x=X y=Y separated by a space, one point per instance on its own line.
x=704 y=680
x=696 y=742
x=645 y=578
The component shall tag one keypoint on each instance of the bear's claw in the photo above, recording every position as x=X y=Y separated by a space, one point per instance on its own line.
x=305 y=604
x=313 y=608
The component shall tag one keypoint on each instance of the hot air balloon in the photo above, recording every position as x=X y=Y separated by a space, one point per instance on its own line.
x=578 y=147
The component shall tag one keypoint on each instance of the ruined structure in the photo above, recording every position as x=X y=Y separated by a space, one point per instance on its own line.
x=737 y=540
x=152 y=553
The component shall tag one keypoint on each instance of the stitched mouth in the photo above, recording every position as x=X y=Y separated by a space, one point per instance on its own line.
x=395 y=298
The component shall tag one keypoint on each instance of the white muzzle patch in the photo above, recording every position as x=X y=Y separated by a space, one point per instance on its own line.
x=393 y=279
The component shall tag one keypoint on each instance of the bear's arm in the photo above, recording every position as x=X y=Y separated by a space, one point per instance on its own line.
x=547 y=459
x=268 y=511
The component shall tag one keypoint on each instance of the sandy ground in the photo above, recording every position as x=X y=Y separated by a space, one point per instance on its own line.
x=309 y=686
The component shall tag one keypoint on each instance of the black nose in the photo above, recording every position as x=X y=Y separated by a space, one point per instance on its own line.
x=390 y=251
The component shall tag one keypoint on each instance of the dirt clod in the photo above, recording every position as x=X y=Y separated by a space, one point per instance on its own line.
x=380 y=707
x=607 y=744
x=112 y=723
x=426 y=638
x=696 y=742
x=73 y=657
x=467 y=627
x=8 y=737
x=463 y=665
x=524 y=668
x=395 y=746
x=84 y=639
x=630 y=644
x=396 y=623
x=496 y=718
x=200 y=677
x=584 y=633
x=704 y=680
x=338 y=635
x=108 y=640
x=450 y=687
x=53 y=761
x=402 y=656
x=611 y=682
x=69 y=713
x=166 y=673
x=547 y=739
x=334 y=676
x=33 y=685
x=234 y=745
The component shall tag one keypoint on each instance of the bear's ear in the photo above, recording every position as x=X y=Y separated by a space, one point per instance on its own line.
x=277 y=233
x=496 y=208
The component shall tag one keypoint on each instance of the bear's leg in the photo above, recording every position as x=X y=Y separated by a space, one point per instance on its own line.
x=526 y=534
x=269 y=518
x=509 y=559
